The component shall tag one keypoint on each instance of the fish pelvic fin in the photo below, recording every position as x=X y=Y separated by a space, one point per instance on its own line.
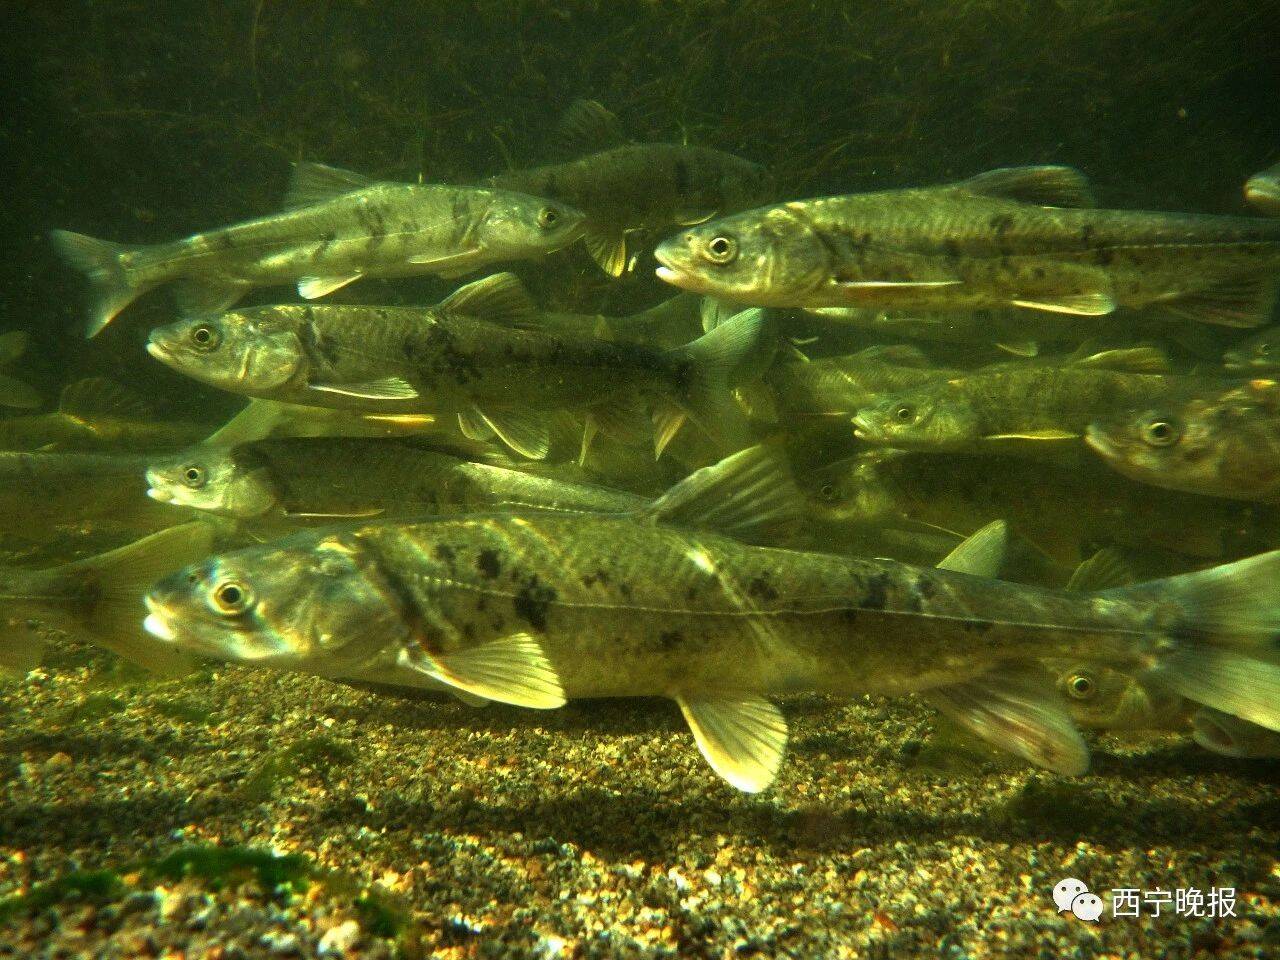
x=111 y=285
x=743 y=737
x=1218 y=636
x=706 y=371
x=119 y=579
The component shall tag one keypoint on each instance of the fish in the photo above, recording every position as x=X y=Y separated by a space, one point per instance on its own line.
x=1015 y=405
x=1220 y=444
x=841 y=385
x=330 y=479
x=534 y=610
x=1018 y=237
x=627 y=188
x=918 y=492
x=98 y=414
x=97 y=599
x=1257 y=356
x=1262 y=191
x=475 y=355
x=337 y=226
x=13 y=392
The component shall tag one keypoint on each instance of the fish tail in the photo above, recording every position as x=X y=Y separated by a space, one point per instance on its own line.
x=112 y=285
x=1220 y=636
x=118 y=580
x=707 y=370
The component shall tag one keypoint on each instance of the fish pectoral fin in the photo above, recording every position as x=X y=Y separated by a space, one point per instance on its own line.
x=500 y=298
x=15 y=393
x=1091 y=303
x=255 y=421
x=1046 y=434
x=667 y=421
x=96 y=397
x=1044 y=186
x=524 y=431
x=200 y=298
x=511 y=669
x=1105 y=570
x=334 y=515
x=981 y=554
x=312 y=288
x=1127 y=360
x=609 y=250
x=312 y=183
x=387 y=388
x=1019 y=710
x=589 y=429
x=474 y=427
x=588 y=126
x=1241 y=301
x=743 y=737
x=447 y=265
x=748 y=495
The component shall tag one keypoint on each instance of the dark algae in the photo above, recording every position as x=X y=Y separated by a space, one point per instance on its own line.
x=576 y=479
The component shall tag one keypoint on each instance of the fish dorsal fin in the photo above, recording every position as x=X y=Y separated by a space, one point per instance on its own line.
x=500 y=298
x=749 y=495
x=1017 y=709
x=743 y=737
x=387 y=388
x=13 y=345
x=524 y=431
x=1105 y=570
x=511 y=669
x=609 y=250
x=1128 y=360
x=255 y=421
x=898 y=354
x=588 y=126
x=1044 y=186
x=981 y=554
x=99 y=397
x=312 y=288
x=318 y=183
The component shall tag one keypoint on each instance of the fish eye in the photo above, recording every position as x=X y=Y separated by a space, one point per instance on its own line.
x=193 y=476
x=1159 y=433
x=827 y=492
x=548 y=217
x=904 y=413
x=721 y=249
x=1264 y=349
x=205 y=337
x=231 y=598
x=1081 y=686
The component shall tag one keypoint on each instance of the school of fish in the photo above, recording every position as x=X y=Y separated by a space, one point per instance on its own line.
x=983 y=443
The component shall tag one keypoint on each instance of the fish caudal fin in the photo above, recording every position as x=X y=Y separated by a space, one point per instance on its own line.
x=119 y=579
x=706 y=371
x=1222 y=636
x=110 y=286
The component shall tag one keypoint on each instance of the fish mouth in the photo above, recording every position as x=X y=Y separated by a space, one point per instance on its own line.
x=157 y=623
x=160 y=495
x=157 y=350
x=864 y=429
x=667 y=275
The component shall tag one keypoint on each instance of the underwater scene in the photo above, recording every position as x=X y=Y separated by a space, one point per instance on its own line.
x=669 y=478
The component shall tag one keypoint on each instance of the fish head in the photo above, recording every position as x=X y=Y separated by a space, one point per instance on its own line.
x=251 y=352
x=851 y=491
x=517 y=225
x=917 y=420
x=1258 y=354
x=1102 y=698
x=768 y=257
x=225 y=481
x=1169 y=447
x=1262 y=191
x=307 y=603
